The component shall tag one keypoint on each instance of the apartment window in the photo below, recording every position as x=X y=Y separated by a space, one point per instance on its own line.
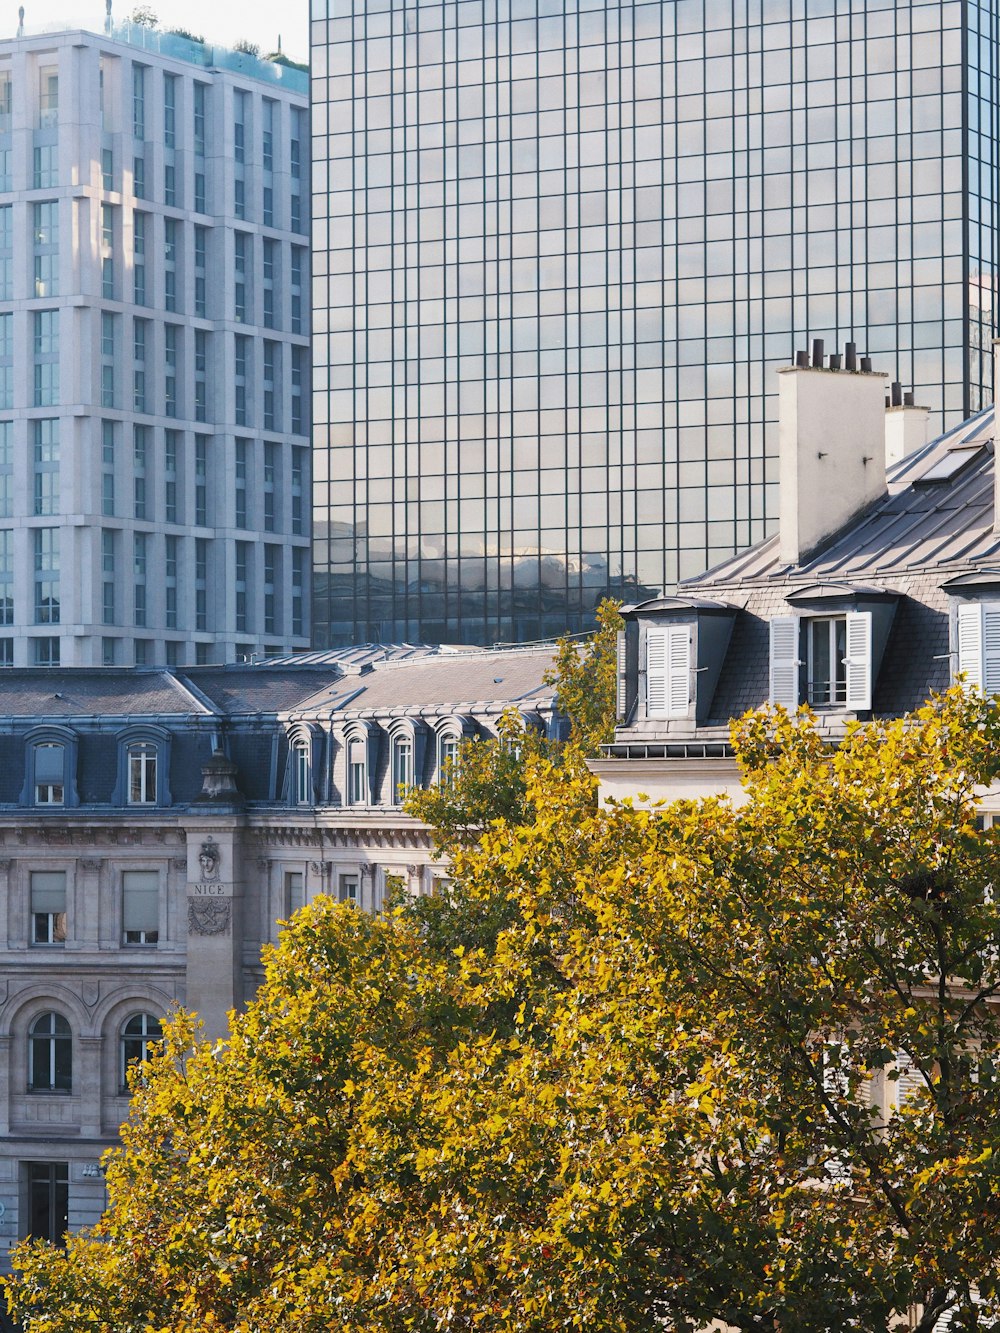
x=171 y=545
x=242 y=586
x=46 y=166
x=201 y=588
x=200 y=266
x=140 y=554
x=298 y=389
x=836 y=652
x=402 y=768
x=143 y=651
x=271 y=559
x=48 y=907
x=294 y=894
x=6 y=578
x=6 y=101
x=139 y=101
x=139 y=177
x=242 y=365
x=171 y=450
x=46 y=543
x=109 y=572
x=107 y=468
x=140 y=455
x=298 y=588
x=200 y=205
x=243 y=259
x=140 y=906
x=267 y=133
x=267 y=213
x=46 y=344
x=298 y=489
x=107 y=170
x=140 y=332
x=46 y=440
x=45 y=220
x=109 y=357
x=302 y=771
x=49 y=764
x=272 y=386
x=270 y=256
x=142 y=1034
x=50 y=1046
x=109 y=651
x=6 y=164
x=6 y=252
x=201 y=481
x=240 y=100
x=47 y=1190
x=139 y=232
x=200 y=375
x=171 y=338
x=169 y=110
x=170 y=185
x=242 y=459
x=240 y=199
x=200 y=92
x=271 y=457
x=171 y=228
x=6 y=652
x=48 y=100
x=357 y=771
x=297 y=269
x=6 y=361
x=347 y=889
x=172 y=650
x=141 y=762
x=46 y=652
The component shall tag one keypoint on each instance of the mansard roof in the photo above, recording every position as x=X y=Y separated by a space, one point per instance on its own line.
x=95 y=692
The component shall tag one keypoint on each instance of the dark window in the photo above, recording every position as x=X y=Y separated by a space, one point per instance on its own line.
x=50 y=1064
x=48 y=1200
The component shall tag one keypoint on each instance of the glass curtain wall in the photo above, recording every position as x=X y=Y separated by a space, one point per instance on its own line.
x=561 y=247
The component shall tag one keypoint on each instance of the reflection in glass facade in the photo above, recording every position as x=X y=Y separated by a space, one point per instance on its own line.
x=560 y=247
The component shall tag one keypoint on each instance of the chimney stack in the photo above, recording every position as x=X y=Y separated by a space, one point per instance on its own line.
x=905 y=428
x=831 y=444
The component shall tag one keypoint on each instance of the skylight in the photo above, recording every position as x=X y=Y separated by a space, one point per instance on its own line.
x=950 y=463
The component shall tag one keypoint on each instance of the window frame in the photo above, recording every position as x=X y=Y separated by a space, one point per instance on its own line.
x=59 y=1041
x=157 y=739
x=143 y=1039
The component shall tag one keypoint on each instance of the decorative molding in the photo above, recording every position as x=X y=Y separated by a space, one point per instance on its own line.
x=263 y=863
x=5 y=866
x=209 y=916
x=321 y=868
x=178 y=863
x=209 y=859
x=91 y=863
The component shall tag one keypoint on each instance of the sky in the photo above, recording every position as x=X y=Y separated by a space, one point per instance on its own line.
x=222 y=22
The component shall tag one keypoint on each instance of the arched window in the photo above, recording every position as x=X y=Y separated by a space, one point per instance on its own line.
x=141 y=759
x=358 y=786
x=402 y=768
x=50 y=1054
x=139 y=1037
x=447 y=764
x=302 y=771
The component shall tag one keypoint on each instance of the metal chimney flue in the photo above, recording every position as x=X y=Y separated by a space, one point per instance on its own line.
x=802 y=359
x=908 y=399
x=834 y=360
x=866 y=364
x=817 y=357
x=851 y=356
x=897 y=393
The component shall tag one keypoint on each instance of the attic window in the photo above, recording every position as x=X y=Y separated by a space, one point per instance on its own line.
x=949 y=464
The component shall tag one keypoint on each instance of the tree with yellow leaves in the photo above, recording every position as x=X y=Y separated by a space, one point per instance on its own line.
x=704 y=1064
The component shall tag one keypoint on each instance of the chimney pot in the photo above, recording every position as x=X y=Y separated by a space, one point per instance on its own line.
x=834 y=360
x=817 y=358
x=908 y=400
x=851 y=356
x=866 y=364
x=802 y=359
x=897 y=394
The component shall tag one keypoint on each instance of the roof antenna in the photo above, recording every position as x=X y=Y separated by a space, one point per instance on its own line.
x=108 y=25
x=20 y=28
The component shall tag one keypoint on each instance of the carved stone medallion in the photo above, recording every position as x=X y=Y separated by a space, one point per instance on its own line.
x=208 y=916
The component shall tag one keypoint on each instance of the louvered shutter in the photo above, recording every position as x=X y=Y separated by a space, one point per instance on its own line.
x=858 y=661
x=910 y=1080
x=785 y=663
x=656 y=673
x=970 y=644
x=678 y=670
x=991 y=649
x=622 y=679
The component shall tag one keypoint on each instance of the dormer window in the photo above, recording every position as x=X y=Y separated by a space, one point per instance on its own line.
x=50 y=770
x=668 y=671
x=402 y=768
x=357 y=770
x=141 y=761
x=978 y=657
x=836 y=653
x=826 y=661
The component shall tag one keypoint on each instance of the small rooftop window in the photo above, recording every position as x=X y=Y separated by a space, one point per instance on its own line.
x=950 y=464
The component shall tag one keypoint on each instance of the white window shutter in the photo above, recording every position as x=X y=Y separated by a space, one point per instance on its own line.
x=656 y=673
x=622 y=681
x=785 y=663
x=970 y=643
x=858 y=661
x=910 y=1081
x=991 y=649
x=678 y=670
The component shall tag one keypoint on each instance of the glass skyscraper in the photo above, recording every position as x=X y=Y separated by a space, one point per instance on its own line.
x=560 y=247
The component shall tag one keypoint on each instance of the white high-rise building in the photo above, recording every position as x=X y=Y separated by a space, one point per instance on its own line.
x=154 y=351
